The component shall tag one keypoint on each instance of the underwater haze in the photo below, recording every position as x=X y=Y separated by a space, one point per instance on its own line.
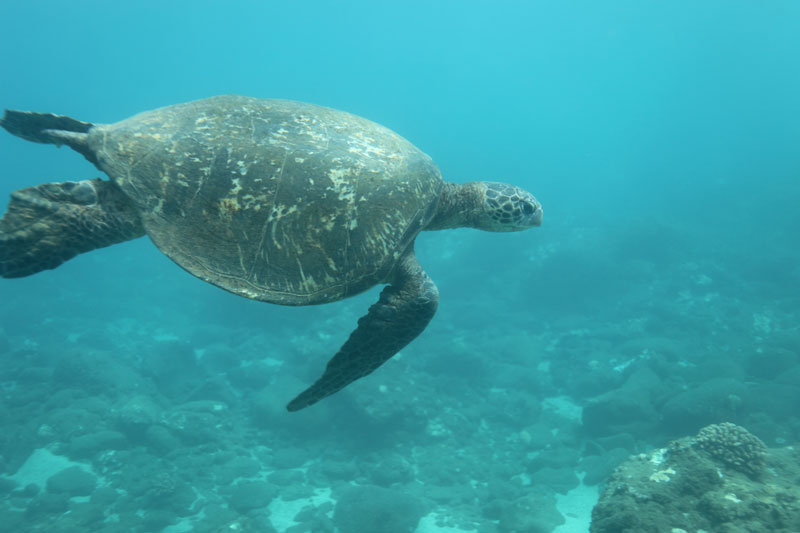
x=659 y=296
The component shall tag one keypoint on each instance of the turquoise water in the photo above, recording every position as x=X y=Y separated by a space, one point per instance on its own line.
x=659 y=295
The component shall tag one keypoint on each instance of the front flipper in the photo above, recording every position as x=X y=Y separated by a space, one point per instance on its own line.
x=403 y=310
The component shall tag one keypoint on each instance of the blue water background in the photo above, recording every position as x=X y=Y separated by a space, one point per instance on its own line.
x=662 y=138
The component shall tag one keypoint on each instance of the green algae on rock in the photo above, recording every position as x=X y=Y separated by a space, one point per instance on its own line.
x=693 y=484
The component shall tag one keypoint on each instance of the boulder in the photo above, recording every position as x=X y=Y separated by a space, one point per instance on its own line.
x=372 y=508
x=72 y=481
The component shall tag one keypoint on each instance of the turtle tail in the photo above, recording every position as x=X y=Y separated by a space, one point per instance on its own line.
x=50 y=129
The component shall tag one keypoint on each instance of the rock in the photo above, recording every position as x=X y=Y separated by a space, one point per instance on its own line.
x=393 y=469
x=203 y=406
x=220 y=519
x=500 y=488
x=104 y=496
x=338 y=470
x=290 y=457
x=169 y=359
x=450 y=495
x=219 y=358
x=538 y=436
x=619 y=440
x=534 y=513
x=47 y=504
x=240 y=466
x=82 y=516
x=791 y=377
x=158 y=519
x=599 y=467
x=296 y=492
x=771 y=362
x=712 y=401
x=63 y=421
x=554 y=457
x=196 y=427
x=371 y=508
x=7 y=485
x=137 y=414
x=28 y=491
x=254 y=376
x=12 y=520
x=34 y=375
x=775 y=400
x=620 y=411
x=172 y=365
x=267 y=408
x=87 y=445
x=561 y=480
x=182 y=500
x=249 y=495
x=684 y=487
x=286 y=478
x=94 y=372
x=493 y=510
x=215 y=389
x=161 y=439
x=314 y=519
x=72 y=481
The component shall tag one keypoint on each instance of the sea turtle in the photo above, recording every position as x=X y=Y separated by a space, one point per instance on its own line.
x=274 y=200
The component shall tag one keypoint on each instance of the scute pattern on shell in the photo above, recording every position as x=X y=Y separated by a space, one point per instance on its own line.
x=274 y=200
x=734 y=446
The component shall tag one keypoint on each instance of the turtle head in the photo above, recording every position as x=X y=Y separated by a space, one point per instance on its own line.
x=505 y=208
x=486 y=205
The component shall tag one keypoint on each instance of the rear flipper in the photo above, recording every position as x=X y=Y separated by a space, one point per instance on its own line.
x=51 y=223
x=49 y=129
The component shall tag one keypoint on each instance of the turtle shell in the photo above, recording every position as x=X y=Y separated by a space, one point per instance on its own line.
x=274 y=200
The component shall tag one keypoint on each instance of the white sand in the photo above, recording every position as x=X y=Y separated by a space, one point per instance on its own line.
x=427 y=524
x=576 y=506
x=42 y=464
x=282 y=513
x=563 y=406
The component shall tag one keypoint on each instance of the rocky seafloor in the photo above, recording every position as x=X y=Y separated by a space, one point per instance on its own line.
x=125 y=408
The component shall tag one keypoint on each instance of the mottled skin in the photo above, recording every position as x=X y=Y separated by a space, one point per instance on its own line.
x=274 y=200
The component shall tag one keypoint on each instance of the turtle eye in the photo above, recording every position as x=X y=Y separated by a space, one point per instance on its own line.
x=527 y=208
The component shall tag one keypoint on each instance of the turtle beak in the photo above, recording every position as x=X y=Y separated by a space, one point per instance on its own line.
x=533 y=212
x=537 y=216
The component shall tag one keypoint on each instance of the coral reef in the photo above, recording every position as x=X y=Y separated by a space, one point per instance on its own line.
x=734 y=446
x=704 y=484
